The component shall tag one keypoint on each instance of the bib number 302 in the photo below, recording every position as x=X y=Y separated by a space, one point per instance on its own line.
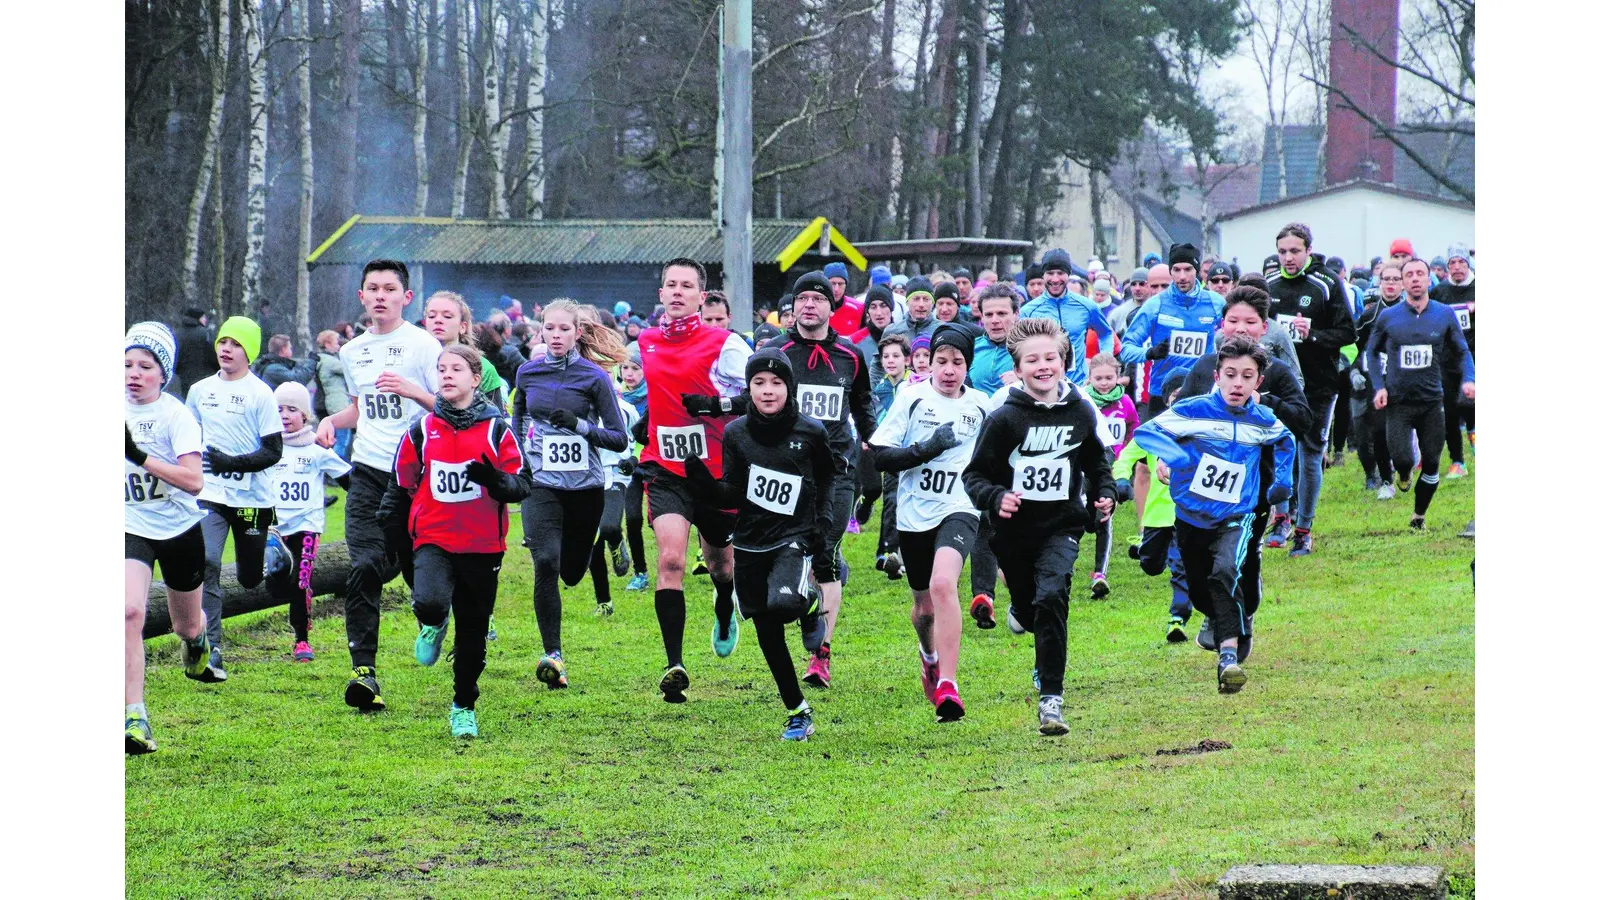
x=1217 y=479
x=678 y=444
x=450 y=484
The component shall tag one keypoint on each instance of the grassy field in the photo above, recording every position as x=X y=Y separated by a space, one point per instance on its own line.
x=1353 y=742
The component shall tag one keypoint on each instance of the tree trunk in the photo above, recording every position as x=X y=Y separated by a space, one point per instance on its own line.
x=464 y=109
x=492 y=26
x=219 y=240
x=328 y=576
x=255 y=219
x=977 y=73
x=1030 y=203
x=998 y=132
x=533 y=161
x=302 y=281
x=423 y=23
x=208 y=156
x=941 y=109
x=349 y=111
x=1096 y=195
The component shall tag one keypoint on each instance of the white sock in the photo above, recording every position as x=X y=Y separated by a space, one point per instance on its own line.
x=931 y=659
x=136 y=711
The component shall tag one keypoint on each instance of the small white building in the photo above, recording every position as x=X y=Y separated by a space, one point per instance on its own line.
x=1355 y=220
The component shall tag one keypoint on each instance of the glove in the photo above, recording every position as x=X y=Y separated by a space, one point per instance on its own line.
x=215 y=462
x=942 y=439
x=1358 y=381
x=564 y=418
x=132 y=451
x=482 y=471
x=695 y=468
x=1157 y=351
x=627 y=465
x=701 y=405
x=1124 y=490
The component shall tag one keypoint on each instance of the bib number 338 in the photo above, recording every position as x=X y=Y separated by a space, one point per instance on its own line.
x=565 y=453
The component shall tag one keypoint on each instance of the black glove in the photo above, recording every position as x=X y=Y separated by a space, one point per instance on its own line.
x=132 y=451
x=701 y=405
x=695 y=468
x=564 y=418
x=817 y=546
x=627 y=465
x=1157 y=351
x=1124 y=490
x=942 y=439
x=482 y=471
x=215 y=462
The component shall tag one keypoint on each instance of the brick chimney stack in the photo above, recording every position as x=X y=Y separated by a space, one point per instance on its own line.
x=1354 y=148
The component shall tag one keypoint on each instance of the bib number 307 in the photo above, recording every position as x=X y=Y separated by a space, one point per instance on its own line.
x=1217 y=479
x=934 y=482
x=678 y=444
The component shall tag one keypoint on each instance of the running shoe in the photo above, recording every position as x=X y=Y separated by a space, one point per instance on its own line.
x=604 y=610
x=1386 y=491
x=302 y=652
x=817 y=674
x=1338 y=458
x=844 y=573
x=1133 y=551
x=813 y=625
x=1037 y=684
x=1011 y=620
x=947 y=704
x=700 y=564
x=983 y=611
x=1470 y=531
x=799 y=726
x=1373 y=483
x=430 y=639
x=674 y=683
x=930 y=675
x=638 y=583
x=552 y=671
x=620 y=560
x=1230 y=675
x=724 y=639
x=196 y=658
x=1050 y=721
x=463 y=722
x=1302 y=543
x=1472 y=438
x=137 y=739
x=362 y=692
x=892 y=566
x=494 y=630
x=852 y=527
x=1278 y=536
x=1455 y=471
x=1099 y=587
x=215 y=672
x=1419 y=523
x=276 y=556
x=1206 y=639
x=1175 y=633
x=1404 y=484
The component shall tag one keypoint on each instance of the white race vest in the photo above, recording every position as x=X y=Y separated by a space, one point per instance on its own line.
x=937 y=482
x=818 y=402
x=1416 y=356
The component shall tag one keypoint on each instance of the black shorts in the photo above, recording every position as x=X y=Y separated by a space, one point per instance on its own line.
x=182 y=558
x=958 y=531
x=666 y=494
x=774 y=582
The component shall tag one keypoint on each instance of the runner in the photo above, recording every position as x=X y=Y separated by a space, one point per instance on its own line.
x=1138 y=287
x=1156 y=551
x=694 y=372
x=1226 y=459
x=1175 y=327
x=1121 y=418
x=1245 y=313
x=992 y=371
x=635 y=392
x=462 y=464
x=714 y=311
x=927 y=437
x=1458 y=291
x=1038 y=462
x=618 y=468
x=1422 y=339
x=160 y=518
x=846 y=309
x=296 y=483
x=1369 y=425
x=946 y=303
x=879 y=315
x=239 y=419
x=1075 y=313
x=566 y=410
x=1033 y=281
x=448 y=318
x=1311 y=303
x=919 y=310
x=391 y=371
x=894 y=353
x=780 y=471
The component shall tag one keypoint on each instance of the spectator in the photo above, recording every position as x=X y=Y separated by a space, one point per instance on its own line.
x=523 y=334
x=197 y=359
x=278 y=365
x=505 y=357
x=332 y=395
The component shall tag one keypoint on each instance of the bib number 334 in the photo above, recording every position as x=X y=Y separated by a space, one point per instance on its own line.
x=1042 y=479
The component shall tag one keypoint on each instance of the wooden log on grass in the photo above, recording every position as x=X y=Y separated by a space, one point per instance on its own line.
x=328 y=576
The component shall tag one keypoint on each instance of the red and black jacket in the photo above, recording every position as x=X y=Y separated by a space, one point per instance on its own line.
x=447 y=510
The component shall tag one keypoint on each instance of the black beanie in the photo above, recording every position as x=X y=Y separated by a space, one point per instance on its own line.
x=1055 y=259
x=814 y=281
x=880 y=293
x=1184 y=253
x=946 y=289
x=952 y=335
x=786 y=304
x=1172 y=382
x=962 y=272
x=770 y=359
x=1035 y=271
x=919 y=283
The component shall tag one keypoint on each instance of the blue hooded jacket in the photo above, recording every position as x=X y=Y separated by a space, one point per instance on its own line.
x=1215 y=454
x=1076 y=314
x=1187 y=321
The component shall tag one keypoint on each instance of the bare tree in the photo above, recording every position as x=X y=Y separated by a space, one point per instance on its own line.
x=303 y=100
x=422 y=21
x=216 y=53
x=1312 y=35
x=977 y=74
x=492 y=26
x=464 y=108
x=1273 y=47
x=255 y=229
x=533 y=165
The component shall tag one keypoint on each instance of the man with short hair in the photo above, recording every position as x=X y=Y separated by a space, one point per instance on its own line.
x=963 y=279
x=846 y=309
x=991 y=371
x=1458 y=290
x=1175 y=327
x=919 y=310
x=714 y=311
x=1075 y=313
x=197 y=359
x=278 y=364
x=1033 y=281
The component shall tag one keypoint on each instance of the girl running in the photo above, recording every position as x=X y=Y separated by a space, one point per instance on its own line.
x=448 y=318
x=462 y=465
x=776 y=464
x=635 y=393
x=160 y=517
x=297 y=482
x=566 y=409
x=1038 y=462
x=1121 y=418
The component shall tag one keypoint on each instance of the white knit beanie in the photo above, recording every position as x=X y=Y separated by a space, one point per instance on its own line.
x=157 y=340
x=294 y=394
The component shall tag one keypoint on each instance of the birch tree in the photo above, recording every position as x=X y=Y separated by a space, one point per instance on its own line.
x=496 y=137
x=302 y=280
x=217 y=55
x=1276 y=54
x=422 y=21
x=255 y=221
x=533 y=163
x=464 y=109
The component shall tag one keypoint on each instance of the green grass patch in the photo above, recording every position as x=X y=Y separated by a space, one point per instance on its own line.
x=1352 y=743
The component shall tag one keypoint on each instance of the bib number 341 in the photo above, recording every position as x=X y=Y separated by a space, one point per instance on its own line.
x=1217 y=479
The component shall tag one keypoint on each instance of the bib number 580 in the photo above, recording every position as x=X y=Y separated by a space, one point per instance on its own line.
x=678 y=444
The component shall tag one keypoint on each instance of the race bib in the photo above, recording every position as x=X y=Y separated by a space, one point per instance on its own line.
x=565 y=453
x=295 y=493
x=450 y=485
x=1187 y=344
x=936 y=482
x=1464 y=317
x=1288 y=325
x=1217 y=479
x=1416 y=356
x=141 y=486
x=1117 y=427
x=1383 y=363
x=1042 y=479
x=678 y=444
x=382 y=406
x=825 y=403
x=775 y=491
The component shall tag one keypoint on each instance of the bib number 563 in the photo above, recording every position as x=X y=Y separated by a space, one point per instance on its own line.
x=382 y=406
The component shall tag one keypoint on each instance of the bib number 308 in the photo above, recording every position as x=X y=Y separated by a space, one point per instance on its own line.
x=678 y=444
x=775 y=491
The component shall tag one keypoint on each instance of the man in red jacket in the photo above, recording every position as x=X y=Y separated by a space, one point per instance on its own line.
x=846 y=318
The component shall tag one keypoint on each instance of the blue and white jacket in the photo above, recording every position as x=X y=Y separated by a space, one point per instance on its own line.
x=1226 y=463
x=989 y=362
x=1188 y=322
x=1076 y=314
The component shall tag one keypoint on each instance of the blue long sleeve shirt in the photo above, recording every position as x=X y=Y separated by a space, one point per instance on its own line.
x=1419 y=346
x=1076 y=314
x=1219 y=457
x=989 y=362
x=1187 y=322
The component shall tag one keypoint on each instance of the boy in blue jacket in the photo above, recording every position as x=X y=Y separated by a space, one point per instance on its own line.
x=1227 y=459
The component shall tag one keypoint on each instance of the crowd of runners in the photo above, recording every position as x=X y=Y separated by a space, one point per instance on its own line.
x=994 y=420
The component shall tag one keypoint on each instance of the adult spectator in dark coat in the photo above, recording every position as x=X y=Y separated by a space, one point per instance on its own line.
x=197 y=358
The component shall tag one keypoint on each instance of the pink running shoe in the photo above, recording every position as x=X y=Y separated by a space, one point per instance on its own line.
x=817 y=674
x=854 y=527
x=302 y=652
x=947 y=702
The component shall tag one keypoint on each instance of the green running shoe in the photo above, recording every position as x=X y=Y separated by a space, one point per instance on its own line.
x=429 y=641
x=362 y=692
x=463 y=722
x=1175 y=633
x=138 y=739
x=723 y=645
x=552 y=671
x=196 y=658
x=604 y=610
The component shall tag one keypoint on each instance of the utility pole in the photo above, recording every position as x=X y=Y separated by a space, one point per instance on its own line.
x=737 y=165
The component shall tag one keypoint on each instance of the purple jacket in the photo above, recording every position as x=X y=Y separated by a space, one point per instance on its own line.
x=572 y=383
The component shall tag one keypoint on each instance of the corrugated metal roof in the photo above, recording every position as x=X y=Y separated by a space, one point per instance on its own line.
x=546 y=242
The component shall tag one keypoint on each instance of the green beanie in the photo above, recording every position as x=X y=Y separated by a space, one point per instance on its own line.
x=246 y=332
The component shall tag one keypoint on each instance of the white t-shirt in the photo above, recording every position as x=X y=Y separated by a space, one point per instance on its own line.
x=234 y=417
x=297 y=488
x=407 y=351
x=151 y=508
x=932 y=492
